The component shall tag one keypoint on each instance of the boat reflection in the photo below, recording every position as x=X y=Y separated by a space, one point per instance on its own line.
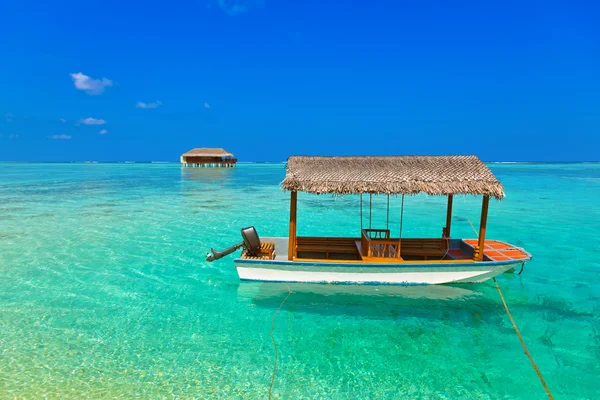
x=369 y=301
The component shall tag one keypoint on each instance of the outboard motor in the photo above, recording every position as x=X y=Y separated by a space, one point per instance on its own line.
x=250 y=242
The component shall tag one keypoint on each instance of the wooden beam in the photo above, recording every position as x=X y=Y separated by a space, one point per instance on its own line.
x=292 y=236
x=482 y=228
x=449 y=216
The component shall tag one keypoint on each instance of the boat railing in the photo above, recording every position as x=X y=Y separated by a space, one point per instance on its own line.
x=376 y=233
x=385 y=248
x=377 y=243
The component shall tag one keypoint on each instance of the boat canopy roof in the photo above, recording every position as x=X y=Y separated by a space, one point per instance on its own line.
x=434 y=175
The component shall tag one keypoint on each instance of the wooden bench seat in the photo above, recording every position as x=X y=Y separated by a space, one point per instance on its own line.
x=413 y=248
x=310 y=239
x=327 y=249
x=423 y=247
x=325 y=245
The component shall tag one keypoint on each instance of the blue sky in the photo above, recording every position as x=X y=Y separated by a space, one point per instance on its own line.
x=124 y=80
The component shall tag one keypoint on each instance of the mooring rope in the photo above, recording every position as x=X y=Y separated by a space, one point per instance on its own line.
x=447 y=247
x=512 y=321
x=473 y=226
x=537 y=370
x=275 y=344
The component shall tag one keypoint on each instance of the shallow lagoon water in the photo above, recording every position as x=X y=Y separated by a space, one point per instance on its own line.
x=104 y=291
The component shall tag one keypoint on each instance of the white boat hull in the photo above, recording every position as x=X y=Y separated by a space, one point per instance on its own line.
x=396 y=276
x=390 y=278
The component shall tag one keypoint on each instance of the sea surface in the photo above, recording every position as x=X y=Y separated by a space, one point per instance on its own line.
x=105 y=292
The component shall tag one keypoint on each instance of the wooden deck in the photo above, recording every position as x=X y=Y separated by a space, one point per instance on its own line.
x=267 y=252
x=496 y=250
x=411 y=250
x=349 y=249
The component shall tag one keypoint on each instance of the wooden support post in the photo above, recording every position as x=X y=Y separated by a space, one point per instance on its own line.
x=448 y=217
x=292 y=236
x=370 y=211
x=482 y=227
x=401 y=222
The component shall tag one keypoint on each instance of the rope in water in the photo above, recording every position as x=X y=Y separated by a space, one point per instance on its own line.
x=275 y=344
x=512 y=321
x=537 y=370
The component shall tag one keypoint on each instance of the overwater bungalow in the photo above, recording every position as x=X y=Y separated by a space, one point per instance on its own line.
x=208 y=157
x=374 y=254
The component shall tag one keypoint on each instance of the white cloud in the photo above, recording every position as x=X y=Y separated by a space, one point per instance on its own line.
x=141 y=104
x=60 y=137
x=92 y=121
x=207 y=106
x=90 y=85
x=103 y=132
x=236 y=7
x=63 y=120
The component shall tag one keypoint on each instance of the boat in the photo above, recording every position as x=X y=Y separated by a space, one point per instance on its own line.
x=375 y=255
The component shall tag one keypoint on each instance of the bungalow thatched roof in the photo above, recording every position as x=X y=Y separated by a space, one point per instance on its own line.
x=207 y=152
x=435 y=175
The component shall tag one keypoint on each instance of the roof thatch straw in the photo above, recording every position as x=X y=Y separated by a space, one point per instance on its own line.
x=434 y=175
x=207 y=152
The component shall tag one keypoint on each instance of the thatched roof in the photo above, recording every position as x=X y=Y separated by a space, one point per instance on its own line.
x=207 y=152
x=435 y=175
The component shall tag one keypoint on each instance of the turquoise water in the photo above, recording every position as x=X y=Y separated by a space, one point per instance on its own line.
x=104 y=291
